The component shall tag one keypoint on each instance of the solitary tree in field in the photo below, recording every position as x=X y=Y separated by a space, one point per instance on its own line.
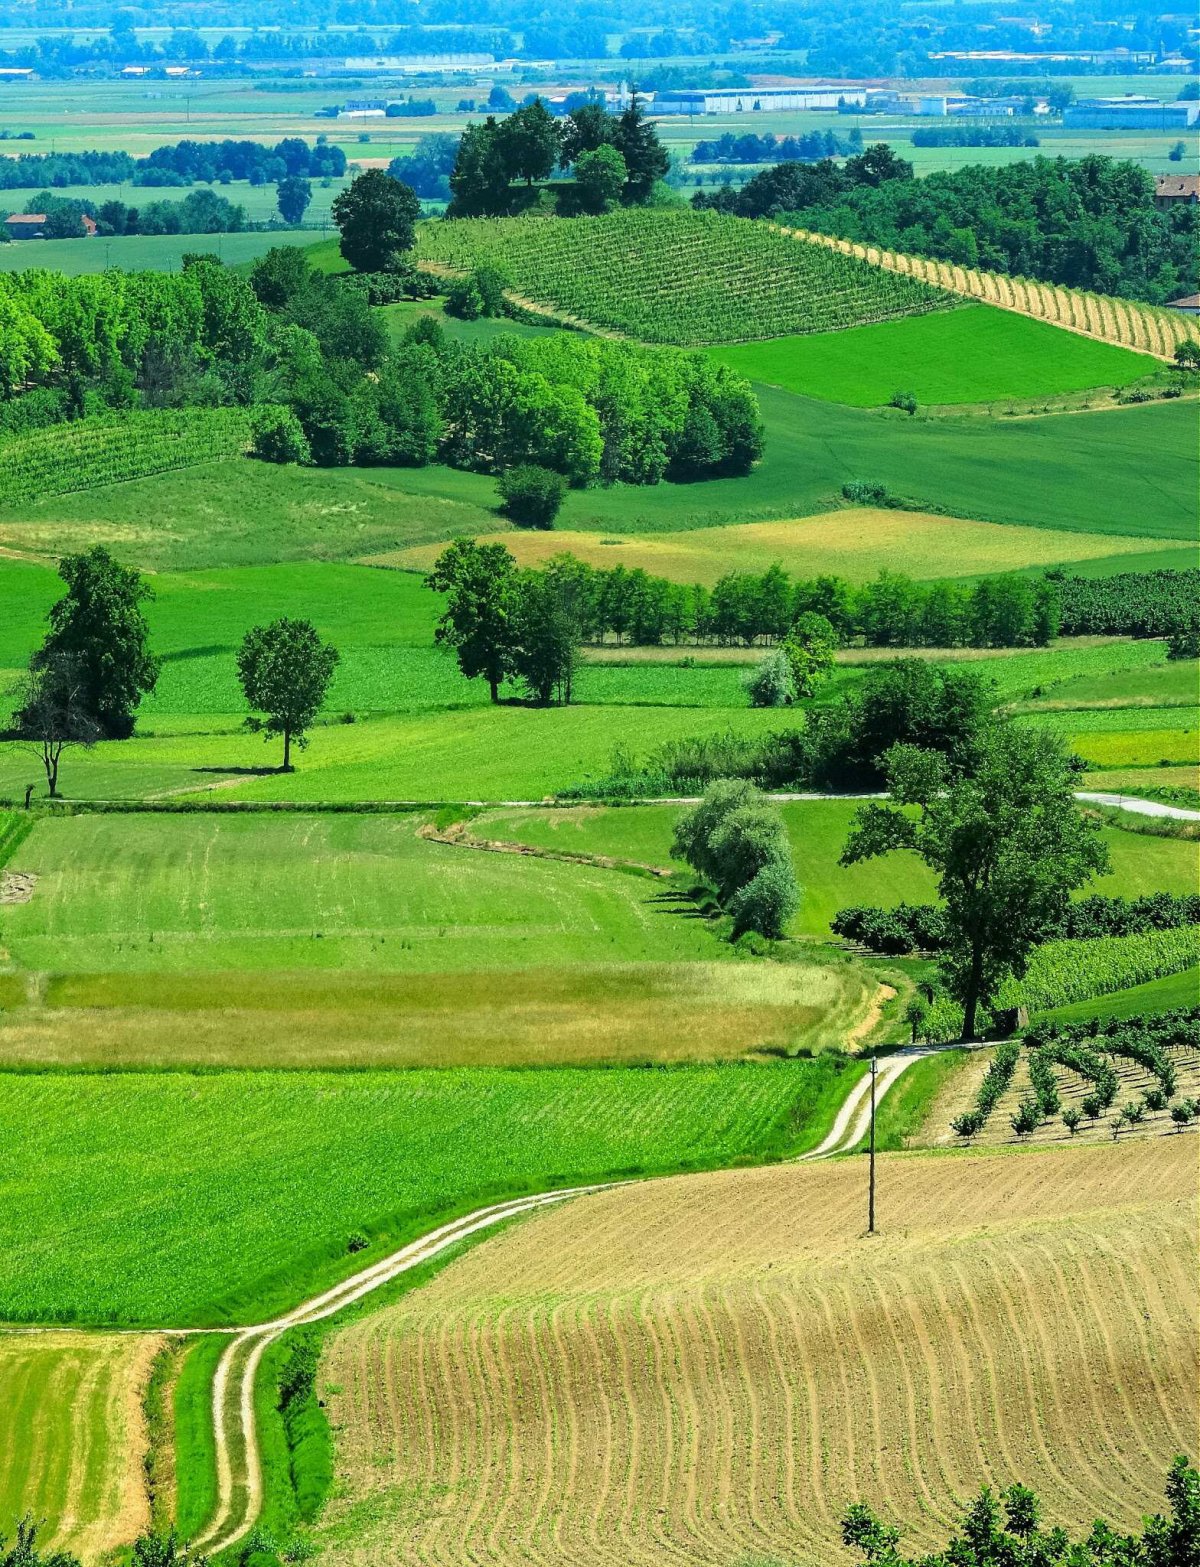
x=52 y=712
x=1005 y=839
x=377 y=217
x=479 y=620
x=285 y=670
x=98 y=627
x=293 y=197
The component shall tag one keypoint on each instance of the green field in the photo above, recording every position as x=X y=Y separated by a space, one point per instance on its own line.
x=975 y=354
x=1081 y=472
x=141 y=252
x=250 y=1184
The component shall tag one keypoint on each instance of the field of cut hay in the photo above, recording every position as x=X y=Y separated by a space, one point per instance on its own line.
x=856 y=543
x=74 y=1437
x=709 y=1369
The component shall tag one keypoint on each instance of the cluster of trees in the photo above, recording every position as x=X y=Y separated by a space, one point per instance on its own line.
x=1130 y=603
x=808 y=148
x=793 y=187
x=504 y=623
x=921 y=927
x=893 y=611
x=614 y=158
x=428 y=167
x=1089 y=224
x=736 y=840
x=86 y=680
x=588 y=409
x=1007 y=1531
x=200 y=212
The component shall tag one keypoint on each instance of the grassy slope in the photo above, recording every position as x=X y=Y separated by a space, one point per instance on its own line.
x=974 y=354
x=1084 y=472
x=195 y=1446
x=818 y=830
x=855 y=542
x=250 y=1183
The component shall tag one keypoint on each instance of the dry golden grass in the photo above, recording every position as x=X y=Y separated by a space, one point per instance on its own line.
x=857 y=543
x=572 y=1015
x=73 y=1438
x=696 y=1369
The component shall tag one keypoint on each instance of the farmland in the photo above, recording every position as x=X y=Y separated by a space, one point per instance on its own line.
x=643 y=1334
x=973 y=354
x=74 y=1435
x=144 y=252
x=291 y=1021
x=277 y=1170
x=723 y=277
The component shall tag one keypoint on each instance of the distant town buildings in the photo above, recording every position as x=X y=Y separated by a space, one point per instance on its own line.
x=1130 y=112
x=751 y=100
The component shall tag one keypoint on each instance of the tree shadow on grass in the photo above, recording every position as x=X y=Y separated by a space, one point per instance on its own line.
x=239 y=772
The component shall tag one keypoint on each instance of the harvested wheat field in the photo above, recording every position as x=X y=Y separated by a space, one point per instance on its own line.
x=73 y=1438
x=701 y=1369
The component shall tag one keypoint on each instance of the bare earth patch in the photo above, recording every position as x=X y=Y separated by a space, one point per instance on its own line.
x=17 y=886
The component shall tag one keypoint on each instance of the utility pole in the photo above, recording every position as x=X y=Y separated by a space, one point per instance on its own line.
x=871 y=1178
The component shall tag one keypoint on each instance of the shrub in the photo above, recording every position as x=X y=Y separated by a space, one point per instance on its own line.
x=1181 y=1114
x=1027 y=1119
x=771 y=683
x=1071 y=1120
x=866 y=492
x=464 y=300
x=905 y=400
x=531 y=495
x=278 y=436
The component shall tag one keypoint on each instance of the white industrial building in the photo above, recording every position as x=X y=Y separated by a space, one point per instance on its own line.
x=755 y=100
x=940 y=105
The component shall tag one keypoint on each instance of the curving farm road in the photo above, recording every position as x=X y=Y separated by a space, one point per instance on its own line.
x=239 y=1472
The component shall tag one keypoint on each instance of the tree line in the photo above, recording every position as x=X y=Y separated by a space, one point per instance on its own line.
x=178 y=163
x=200 y=212
x=1089 y=223
x=88 y=676
x=750 y=148
x=309 y=354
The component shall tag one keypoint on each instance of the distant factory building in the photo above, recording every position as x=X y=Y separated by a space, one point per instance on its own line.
x=940 y=105
x=410 y=64
x=1129 y=113
x=752 y=100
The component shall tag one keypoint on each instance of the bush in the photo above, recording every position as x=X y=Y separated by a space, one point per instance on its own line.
x=865 y=492
x=278 y=436
x=771 y=683
x=532 y=496
x=766 y=903
x=464 y=300
x=905 y=400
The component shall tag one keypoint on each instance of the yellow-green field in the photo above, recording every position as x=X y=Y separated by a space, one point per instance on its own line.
x=856 y=543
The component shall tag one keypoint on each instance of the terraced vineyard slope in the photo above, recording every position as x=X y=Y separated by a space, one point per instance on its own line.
x=678 y=277
x=709 y=1369
x=1147 y=328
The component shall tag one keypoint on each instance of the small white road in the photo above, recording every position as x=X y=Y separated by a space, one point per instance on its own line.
x=1130 y=802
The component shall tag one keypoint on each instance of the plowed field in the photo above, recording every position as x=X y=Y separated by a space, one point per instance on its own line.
x=701 y=1369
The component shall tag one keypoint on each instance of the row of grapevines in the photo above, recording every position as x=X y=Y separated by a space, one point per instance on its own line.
x=1150 y=329
x=679 y=277
x=107 y=450
x=1065 y=971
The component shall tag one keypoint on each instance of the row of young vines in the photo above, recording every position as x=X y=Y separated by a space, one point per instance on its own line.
x=90 y=452
x=1150 y=329
x=684 y=278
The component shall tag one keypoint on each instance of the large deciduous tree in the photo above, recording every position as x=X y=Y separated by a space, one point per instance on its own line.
x=98 y=627
x=285 y=669
x=478 y=621
x=293 y=196
x=1004 y=838
x=377 y=217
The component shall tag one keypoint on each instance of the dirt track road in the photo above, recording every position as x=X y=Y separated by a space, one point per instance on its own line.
x=239 y=1472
